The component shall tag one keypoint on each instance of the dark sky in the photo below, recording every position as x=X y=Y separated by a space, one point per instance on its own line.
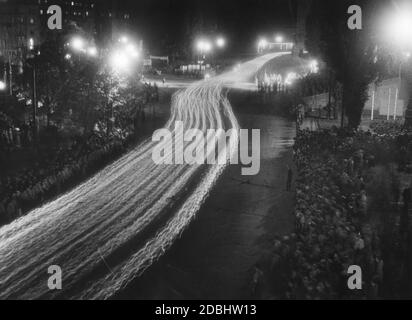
x=164 y=22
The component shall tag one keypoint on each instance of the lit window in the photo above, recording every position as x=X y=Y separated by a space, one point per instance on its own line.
x=72 y=3
x=87 y=13
x=41 y=11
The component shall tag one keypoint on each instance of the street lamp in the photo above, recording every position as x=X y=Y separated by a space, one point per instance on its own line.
x=119 y=61
x=279 y=39
x=314 y=66
x=124 y=39
x=77 y=43
x=220 y=42
x=400 y=27
x=204 y=46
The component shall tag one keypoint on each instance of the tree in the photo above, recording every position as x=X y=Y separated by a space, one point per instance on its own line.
x=350 y=53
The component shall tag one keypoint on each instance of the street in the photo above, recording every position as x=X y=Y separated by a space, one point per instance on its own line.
x=110 y=229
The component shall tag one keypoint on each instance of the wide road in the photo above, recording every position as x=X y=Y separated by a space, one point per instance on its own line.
x=108 y=230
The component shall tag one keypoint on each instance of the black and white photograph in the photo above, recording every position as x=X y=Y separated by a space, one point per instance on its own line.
x=205 y=155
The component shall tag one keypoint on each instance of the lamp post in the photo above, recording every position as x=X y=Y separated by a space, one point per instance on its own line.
x=121 y=59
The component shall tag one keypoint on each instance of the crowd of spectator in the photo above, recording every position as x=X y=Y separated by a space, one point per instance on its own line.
x=333 y=226
x=46 y=179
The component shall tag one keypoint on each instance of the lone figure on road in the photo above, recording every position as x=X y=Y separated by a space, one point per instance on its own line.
x=289 y=179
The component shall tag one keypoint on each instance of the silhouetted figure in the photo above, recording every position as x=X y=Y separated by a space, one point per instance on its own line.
x=289 y=179
x=256 y=280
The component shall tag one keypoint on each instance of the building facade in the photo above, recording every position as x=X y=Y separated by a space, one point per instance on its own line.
x=19 y=30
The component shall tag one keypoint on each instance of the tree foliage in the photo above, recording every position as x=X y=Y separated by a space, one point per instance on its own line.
x=351 y=54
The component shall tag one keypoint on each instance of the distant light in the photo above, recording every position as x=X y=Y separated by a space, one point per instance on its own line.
x=204 y=46
x=314 y=66
x=2 y=85
x=220 y=42
x=68 y=56
x=92 y=51
x=77 y=43
x=263 y=43
x=124 y=39
x=132 y=50
x=208 y=46
x=31 y=44
x=408 y=54
x=399 y=26
x=207 y=76
x=199 y=45
x=119 y=61
x=279 y=39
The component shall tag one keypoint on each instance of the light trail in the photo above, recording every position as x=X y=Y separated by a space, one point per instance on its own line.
x=108 y=230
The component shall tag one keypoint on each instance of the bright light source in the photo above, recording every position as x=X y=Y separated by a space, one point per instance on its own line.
x=207 y=46
x=279 y=39
x=77 y=43
x=207 y=76
x=220 y=42
x=124 y=39
x=200 y=45
x=92 y=51
x=135 y=54
x=204 y=46
x=132 y=50
x=31 y=44
x=262 y=44
x=119 y=61
x=399 y=27
x=2 y=85
x=68 y=56
x=314 y=66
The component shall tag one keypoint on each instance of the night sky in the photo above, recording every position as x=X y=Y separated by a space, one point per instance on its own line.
x=164 y=23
